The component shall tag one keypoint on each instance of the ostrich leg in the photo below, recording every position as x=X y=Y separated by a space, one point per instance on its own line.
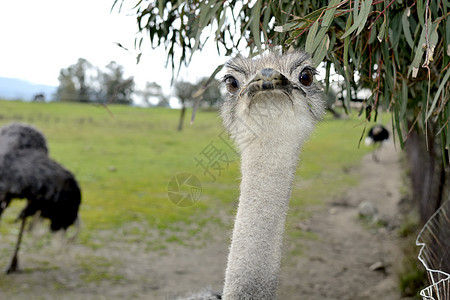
x=29 y=210
x=13 y=266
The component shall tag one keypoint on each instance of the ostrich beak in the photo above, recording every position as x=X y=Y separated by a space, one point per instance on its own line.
x=267 y=79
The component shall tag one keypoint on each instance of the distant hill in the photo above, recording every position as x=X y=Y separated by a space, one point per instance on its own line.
x=18 y=89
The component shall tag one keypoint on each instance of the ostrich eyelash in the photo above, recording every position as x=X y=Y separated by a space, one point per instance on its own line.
x=224 y=78
x=313 y=70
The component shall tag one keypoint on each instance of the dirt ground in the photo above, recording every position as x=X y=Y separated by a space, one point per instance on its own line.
x=343 y=258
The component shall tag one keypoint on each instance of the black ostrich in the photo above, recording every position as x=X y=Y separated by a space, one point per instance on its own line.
x=378 y=134
x=27 y=172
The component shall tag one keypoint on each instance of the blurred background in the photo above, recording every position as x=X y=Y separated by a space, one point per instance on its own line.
x=114 y=87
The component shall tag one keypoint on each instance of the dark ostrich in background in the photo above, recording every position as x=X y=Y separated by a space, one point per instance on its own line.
x=27 y=172
x=377 y=136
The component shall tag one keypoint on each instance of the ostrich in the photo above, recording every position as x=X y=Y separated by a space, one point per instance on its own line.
x=26 y=171
x=16 y=137
x=377 y=135
x=271 y=109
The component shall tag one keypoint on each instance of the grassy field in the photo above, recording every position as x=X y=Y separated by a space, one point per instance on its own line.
x=124 y=158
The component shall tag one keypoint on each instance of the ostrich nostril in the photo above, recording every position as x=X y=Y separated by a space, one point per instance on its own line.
x=267 y=72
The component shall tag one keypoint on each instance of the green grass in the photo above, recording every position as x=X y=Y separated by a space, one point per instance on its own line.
x=124 y=158
x=96 y=269
x=326 y=160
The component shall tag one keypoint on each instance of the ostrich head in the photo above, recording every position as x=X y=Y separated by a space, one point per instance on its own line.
x=273 y=98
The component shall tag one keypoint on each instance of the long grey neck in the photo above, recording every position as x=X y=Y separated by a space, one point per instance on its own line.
x=255 y=253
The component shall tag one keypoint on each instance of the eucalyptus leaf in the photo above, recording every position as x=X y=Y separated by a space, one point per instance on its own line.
x=403 y=99
x=366 y=7
x=161 y=7
x=421 y=12
x=381 y=32
x=438 y=93
x=373 y=35
x=360 y=20
x=319 y=55
x=255 y=24
x=419 y=50
x=310 y=39
x=406 y=31
x=329 y=14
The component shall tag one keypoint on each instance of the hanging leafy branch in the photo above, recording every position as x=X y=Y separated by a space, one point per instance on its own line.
x=397 y=49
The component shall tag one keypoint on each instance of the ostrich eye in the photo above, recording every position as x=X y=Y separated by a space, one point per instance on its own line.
x=306 y=77
x=232 y=84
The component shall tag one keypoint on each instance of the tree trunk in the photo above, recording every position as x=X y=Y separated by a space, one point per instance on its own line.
x=183 y=112
x=429 y=174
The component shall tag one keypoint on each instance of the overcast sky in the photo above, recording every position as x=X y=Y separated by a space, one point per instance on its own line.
x=38 y=38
